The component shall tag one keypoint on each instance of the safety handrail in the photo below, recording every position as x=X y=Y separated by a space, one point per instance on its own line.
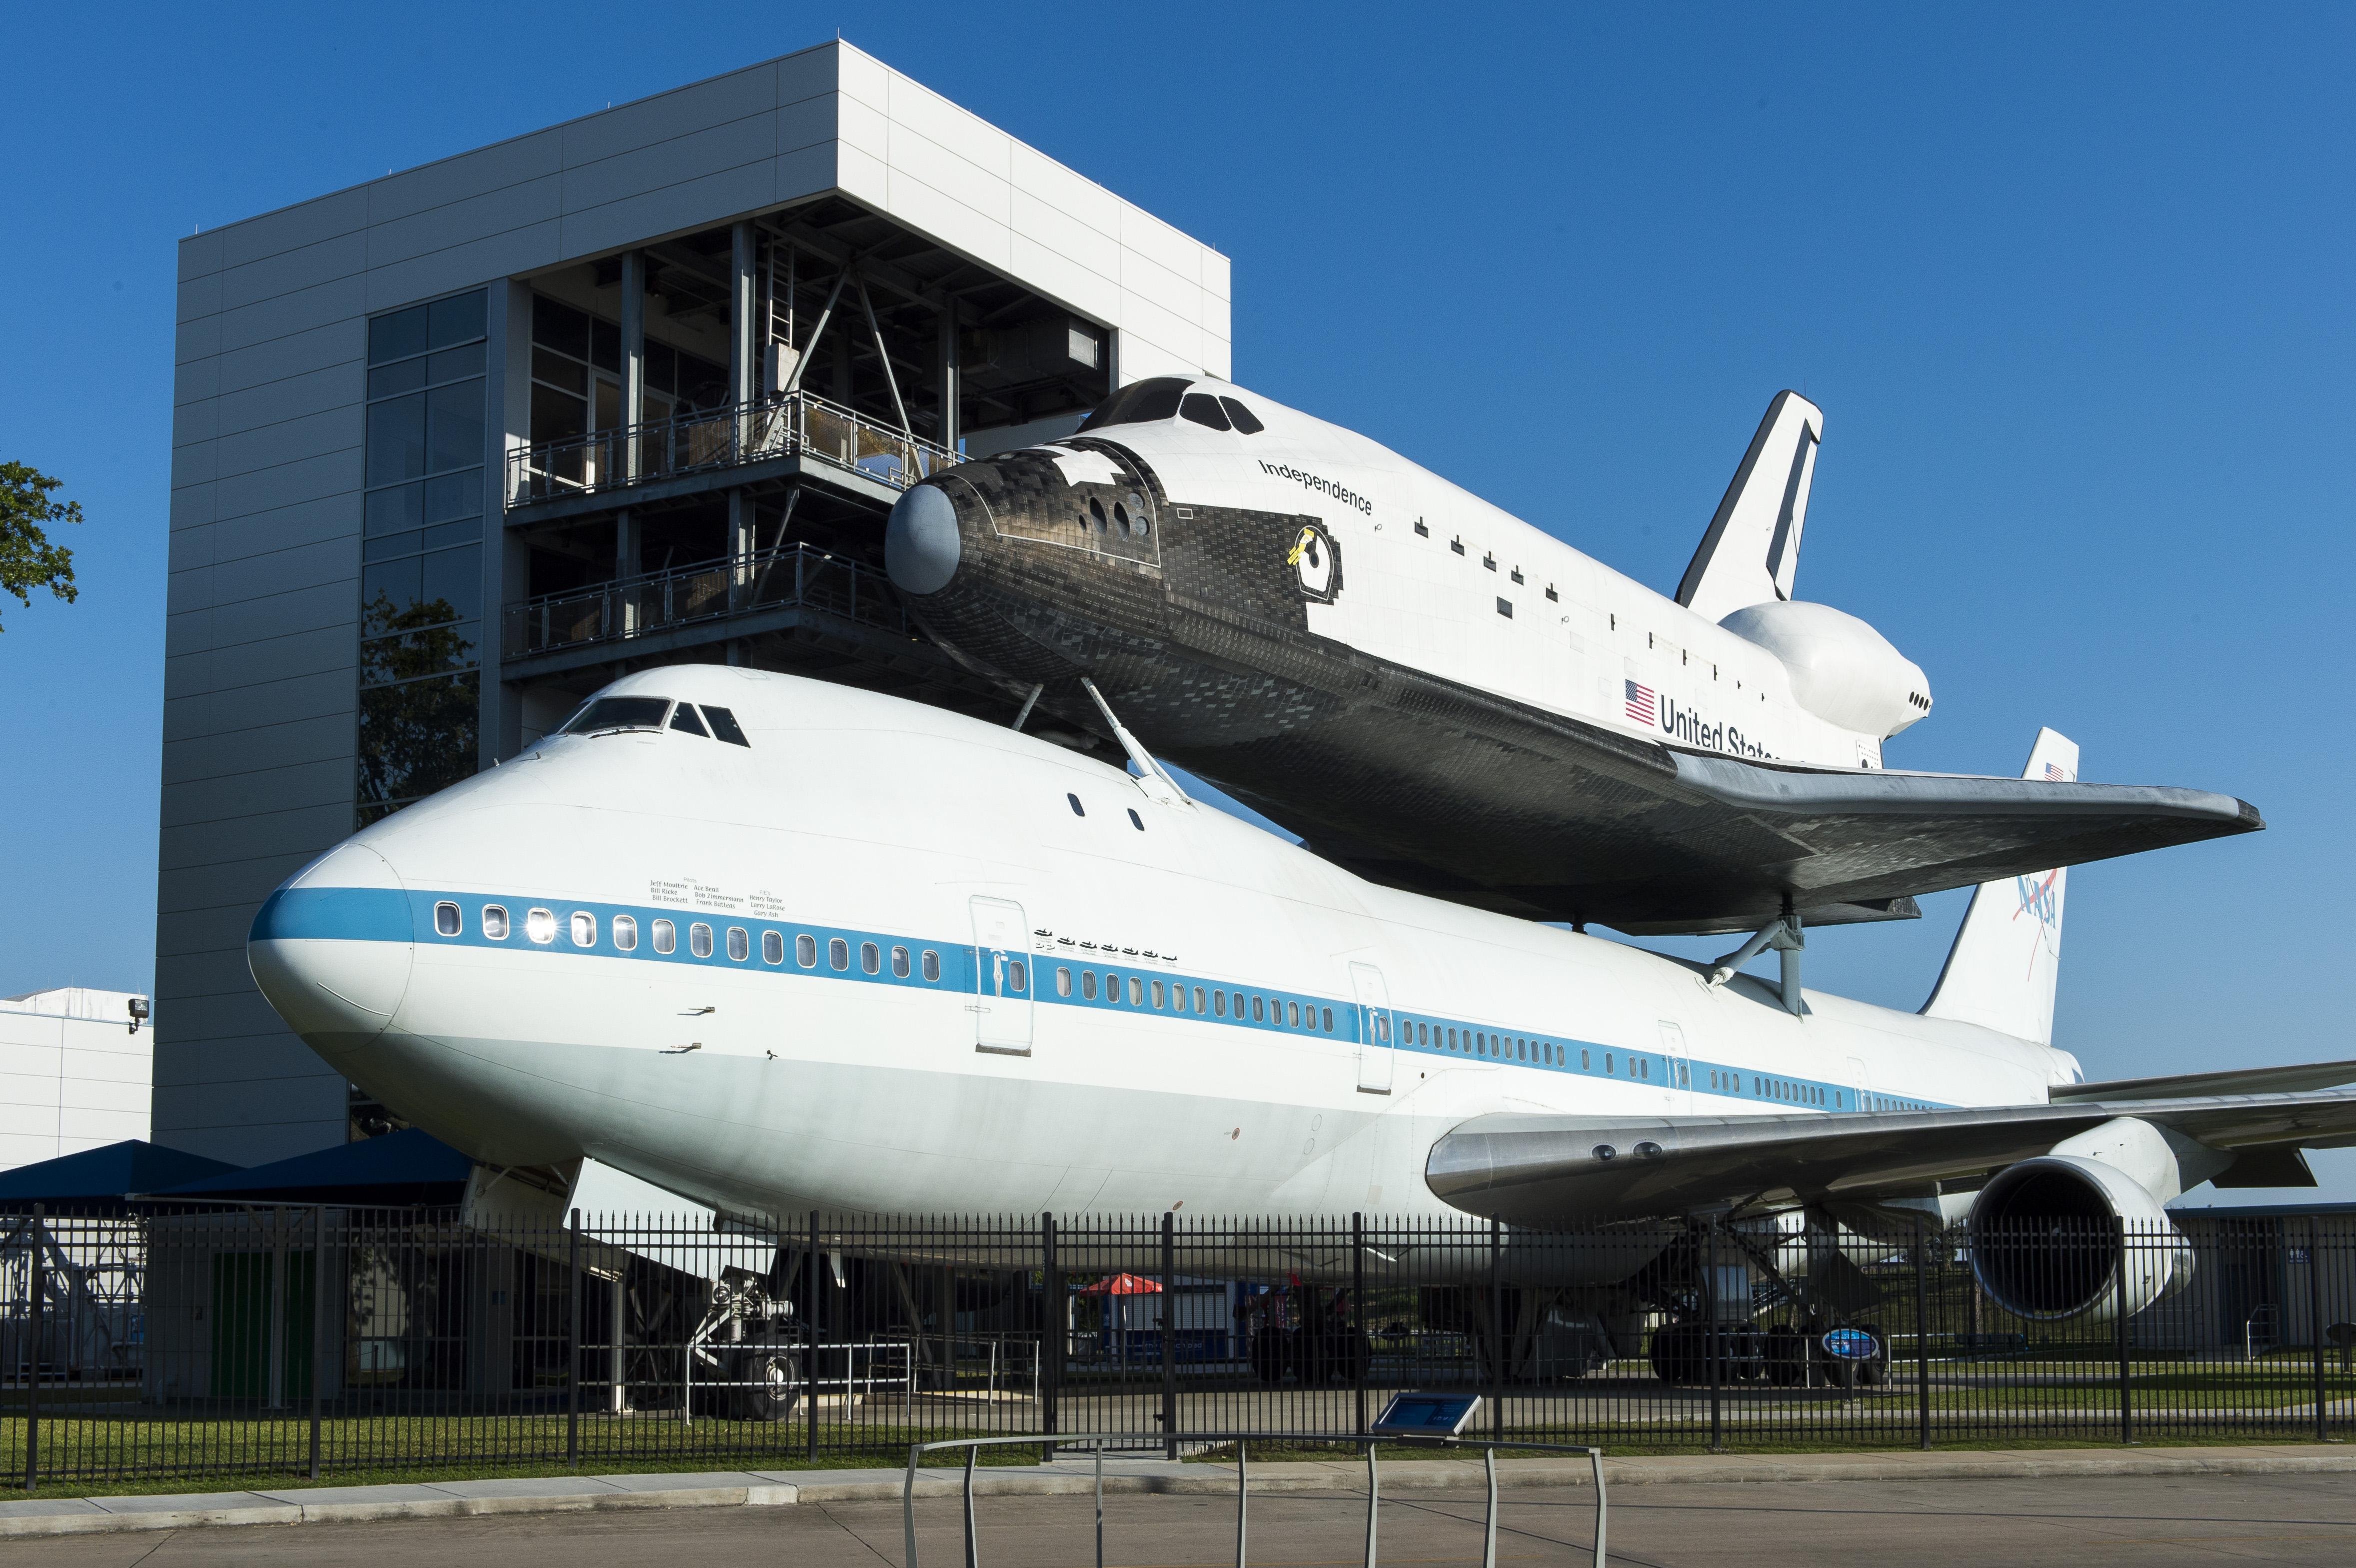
x=1096 y=1441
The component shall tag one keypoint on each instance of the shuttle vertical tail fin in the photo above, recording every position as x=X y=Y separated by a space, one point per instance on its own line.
x=2007 y=956
x=1751 y=554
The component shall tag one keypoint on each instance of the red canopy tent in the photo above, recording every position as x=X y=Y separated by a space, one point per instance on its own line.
x=1122 y=1285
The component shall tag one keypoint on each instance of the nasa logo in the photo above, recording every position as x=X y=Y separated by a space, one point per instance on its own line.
x=1850 y=1345
x=2037 y=899
x=1316 y=563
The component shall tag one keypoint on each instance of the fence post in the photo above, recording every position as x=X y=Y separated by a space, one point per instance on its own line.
x=318 y=1311
x=1051 y=1329
x=1496 y=1331
x=809 y=1349
x=1168 y=1334
x=1922 y=1332
x=2315 y=1320
x=40 y=1282
x=572 y=1349
x=1713 y=1343
x=1361 y=1342
x=2119 y=1310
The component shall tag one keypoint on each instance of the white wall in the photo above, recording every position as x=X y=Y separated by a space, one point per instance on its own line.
x=72 y=1076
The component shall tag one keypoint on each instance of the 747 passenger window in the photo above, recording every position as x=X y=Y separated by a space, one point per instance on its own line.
x=806 y=951
x=584 y=929
x=699 y=940
x=870 y=958
x=495 y=921
x=740 y=946
x=539 y=925
x=665 y=937
x=773 y=947
x=838 y=954
x=1087 y=985
x=446 y=920
x=1018 y=977
x=899 y=962
x=625 y=932
x=1063 y=982
x=932 y=965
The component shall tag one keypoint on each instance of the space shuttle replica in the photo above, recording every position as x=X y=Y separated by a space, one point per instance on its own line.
x=767 y=945
x=1444 y=699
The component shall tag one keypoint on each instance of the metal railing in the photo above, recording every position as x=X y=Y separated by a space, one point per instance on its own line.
x=256 y=1341
x=796 y=574
x=1094 y=1441
x=787 y=424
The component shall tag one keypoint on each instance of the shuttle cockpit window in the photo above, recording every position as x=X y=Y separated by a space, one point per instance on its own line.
x=1241 y=417
x=1201 y=408
x=619 y=713
x=1146 y=403
x=683 y=718
x=724 y=726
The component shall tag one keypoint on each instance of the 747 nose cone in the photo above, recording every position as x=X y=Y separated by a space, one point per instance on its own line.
x=920 y=543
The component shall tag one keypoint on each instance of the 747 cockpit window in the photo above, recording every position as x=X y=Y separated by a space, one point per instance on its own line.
x=619 y=713
x=1148 y=401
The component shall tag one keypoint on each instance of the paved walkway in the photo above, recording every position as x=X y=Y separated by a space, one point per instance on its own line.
x=2062 y=1521
x=1123 y=1476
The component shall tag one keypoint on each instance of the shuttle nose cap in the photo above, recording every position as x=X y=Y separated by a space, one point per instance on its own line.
x=920 y=543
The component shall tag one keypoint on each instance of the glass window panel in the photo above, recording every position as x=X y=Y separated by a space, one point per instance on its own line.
x=397 y=336
x=395 y=583
x=773 y=947
x=456 y=319
x=555 y=416
x=451 y=496
x=396 y=439
x=871 y=959
x=625 y=932
x=396 y=510
x=900 y=963
x=452 y=363
x=1204 y=410
x=665 y=937
x=416 y=738
x=699 y=940
x=392 y=545
x=454 y=426
x=662 y=368
x=558 y=371
x=606 y=346
x=1088 y=984
x=740 y=945
x=932 y=966
x=806 y=951
x=394 y=379
x=448 y=534
x=559 y=326
x=838 y=954
x=415 y=654
x=453 y=578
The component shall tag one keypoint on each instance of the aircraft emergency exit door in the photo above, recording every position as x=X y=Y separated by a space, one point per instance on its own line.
x=1001 y=990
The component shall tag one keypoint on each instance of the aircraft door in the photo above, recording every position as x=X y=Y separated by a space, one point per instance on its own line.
x=1862 y=1097
x=1375 y=1044
x=1677 y=1091
x=1002 y=1000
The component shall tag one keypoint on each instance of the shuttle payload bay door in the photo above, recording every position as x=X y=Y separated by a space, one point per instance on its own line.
x=1001 y=990
x=1374 y=1052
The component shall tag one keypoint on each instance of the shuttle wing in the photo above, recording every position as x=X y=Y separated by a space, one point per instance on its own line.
x=1542 y=1170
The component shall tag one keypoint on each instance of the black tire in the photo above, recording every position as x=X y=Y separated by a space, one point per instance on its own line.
x=1875 y=1372
x=772 y=1373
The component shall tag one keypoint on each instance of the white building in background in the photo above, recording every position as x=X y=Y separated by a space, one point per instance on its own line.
x=74 y=1073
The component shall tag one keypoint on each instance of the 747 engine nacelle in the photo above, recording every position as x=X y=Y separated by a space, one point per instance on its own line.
x=2064 y=1236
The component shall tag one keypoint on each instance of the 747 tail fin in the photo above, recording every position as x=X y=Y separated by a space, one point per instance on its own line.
x=2001 y=971
x=1751 y=554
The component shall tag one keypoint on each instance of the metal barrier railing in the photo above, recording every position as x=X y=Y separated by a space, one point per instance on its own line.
x=1094 y=1443
x=785 y=425
x=795 y=574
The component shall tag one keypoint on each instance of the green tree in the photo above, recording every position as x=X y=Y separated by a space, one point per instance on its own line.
x=27 y=559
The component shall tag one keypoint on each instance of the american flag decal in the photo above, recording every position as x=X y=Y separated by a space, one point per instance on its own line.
x=1640 y=702
x=2053 y=773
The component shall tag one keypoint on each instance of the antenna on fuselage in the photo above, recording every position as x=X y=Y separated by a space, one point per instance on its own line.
x=1136 y=754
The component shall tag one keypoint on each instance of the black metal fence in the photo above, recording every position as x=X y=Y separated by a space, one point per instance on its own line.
x=254 y=1340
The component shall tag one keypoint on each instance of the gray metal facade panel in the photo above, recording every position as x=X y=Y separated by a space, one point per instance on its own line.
x=199 y=254
x=291 y=228
x=193 y=464
x=296 y=354
x=808 y=124
x=667 y=116
x=263 y=789
x=464 y=176
x=230 y=839
x=463 y=266
x=806 y=171
x=316 y=740
x=331 y=516
x=291 y=272
x=246 y=707
x=672 y=209
x=286 y=571
x=463 y=222
x=237 y=1064
x=197 y=340
x=188 y=547
x=233 y=883
x=266 y=489
x=339 y=299
x=197 y=297
x=195 y=381
x=289 y=397
x=314 y=434
x=662 y=164
x=202 y=667
x=192 y=422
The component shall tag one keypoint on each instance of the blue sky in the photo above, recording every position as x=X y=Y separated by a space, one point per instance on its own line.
x=2072 y=285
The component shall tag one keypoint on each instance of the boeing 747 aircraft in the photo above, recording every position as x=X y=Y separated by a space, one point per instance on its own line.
x=1444 y=699
x=776 y=945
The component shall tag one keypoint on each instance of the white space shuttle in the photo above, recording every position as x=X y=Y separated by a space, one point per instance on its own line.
x=1443 y=697
x=773 y=945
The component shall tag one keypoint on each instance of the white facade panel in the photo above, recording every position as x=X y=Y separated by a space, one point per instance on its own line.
x=73 y=1076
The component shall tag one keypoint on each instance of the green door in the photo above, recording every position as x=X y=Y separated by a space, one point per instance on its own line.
x=241 y=1308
